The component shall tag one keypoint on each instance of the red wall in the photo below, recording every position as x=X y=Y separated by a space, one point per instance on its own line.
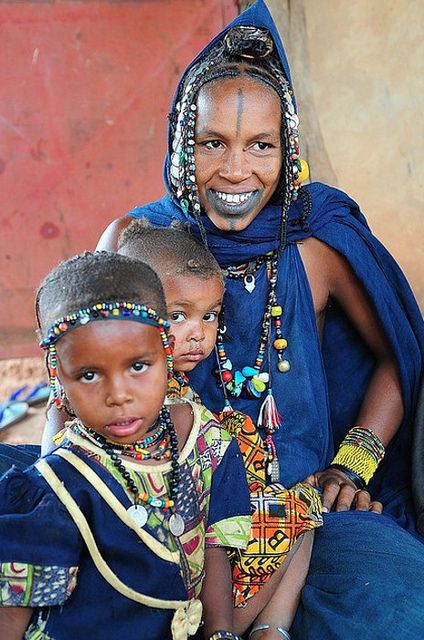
x=85 y=89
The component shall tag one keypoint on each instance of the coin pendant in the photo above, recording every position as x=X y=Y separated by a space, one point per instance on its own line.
x=138 y=514
x=176 y=524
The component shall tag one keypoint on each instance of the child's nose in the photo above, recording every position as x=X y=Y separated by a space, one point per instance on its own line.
x=197 y=333
x=118 y=393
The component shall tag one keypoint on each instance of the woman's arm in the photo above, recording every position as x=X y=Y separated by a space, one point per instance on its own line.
x=55 y=421
x=381 y=410
x=14 y=622
x=108 y=241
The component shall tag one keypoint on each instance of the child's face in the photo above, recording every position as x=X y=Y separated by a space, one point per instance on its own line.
x=193 y=307
x=115 y=377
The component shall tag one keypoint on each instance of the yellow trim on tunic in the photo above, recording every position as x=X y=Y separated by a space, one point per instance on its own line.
x=81 y=522
x=97 y=483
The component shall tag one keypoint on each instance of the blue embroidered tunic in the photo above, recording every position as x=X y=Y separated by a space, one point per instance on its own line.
x=45 y=564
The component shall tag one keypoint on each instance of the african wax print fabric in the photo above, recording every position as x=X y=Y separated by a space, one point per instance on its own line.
x=279 y=515
x=45 y=564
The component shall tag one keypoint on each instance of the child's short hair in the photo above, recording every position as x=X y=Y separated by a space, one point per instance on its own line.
x=168 y=250
x=89 y=278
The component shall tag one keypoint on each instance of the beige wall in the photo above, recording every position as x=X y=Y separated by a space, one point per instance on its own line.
x=367 y=70
x=362 y=65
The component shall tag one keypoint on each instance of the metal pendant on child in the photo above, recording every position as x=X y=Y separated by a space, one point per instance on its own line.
x=176 y=524
x=138 y=514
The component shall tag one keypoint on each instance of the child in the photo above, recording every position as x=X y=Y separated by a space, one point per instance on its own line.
x=105 y=536
x=194 y=289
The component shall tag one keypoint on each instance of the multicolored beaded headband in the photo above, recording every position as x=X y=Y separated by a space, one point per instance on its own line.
x=101 y=311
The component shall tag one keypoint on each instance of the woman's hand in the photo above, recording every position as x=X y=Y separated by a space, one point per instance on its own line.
x=340 y=494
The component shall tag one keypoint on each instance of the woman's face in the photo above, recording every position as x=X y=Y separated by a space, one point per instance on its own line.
x=237 y=150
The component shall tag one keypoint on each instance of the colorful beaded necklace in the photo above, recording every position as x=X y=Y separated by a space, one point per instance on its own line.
x=137 y=511
x=252 y=381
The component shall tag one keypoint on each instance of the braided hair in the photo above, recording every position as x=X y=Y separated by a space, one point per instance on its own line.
x=242 y=51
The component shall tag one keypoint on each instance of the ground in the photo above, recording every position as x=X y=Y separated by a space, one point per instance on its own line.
x=14 y=374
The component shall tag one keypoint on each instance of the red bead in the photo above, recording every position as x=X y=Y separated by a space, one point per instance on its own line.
x=227 y=376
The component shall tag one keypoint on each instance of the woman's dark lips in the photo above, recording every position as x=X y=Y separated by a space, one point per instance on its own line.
x=223 y=201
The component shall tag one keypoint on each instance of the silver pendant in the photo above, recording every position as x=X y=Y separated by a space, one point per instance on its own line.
x=176 y=524
x=249 y=282
x=138 y=514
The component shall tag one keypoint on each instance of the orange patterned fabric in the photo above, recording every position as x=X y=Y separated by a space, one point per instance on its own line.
x=279 y=515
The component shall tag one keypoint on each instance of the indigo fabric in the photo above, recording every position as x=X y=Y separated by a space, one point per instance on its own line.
x=362 y=583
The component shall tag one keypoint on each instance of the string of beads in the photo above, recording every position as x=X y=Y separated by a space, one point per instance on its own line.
x=113 y=451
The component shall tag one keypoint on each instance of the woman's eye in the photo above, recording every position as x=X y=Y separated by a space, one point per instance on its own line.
x=261 y=146
x=211 y=316
x=212 y=144
x=177 y=316
x=139 y=367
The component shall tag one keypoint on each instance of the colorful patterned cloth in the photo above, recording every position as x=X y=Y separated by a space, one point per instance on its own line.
x=279 y=515
x=44 y=562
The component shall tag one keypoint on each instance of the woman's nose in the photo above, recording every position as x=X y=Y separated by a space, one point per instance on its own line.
x=235 y=165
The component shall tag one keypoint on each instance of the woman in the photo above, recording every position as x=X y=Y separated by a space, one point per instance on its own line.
x=328 y=309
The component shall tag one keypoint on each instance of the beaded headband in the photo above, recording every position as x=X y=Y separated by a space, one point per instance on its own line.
x=101 y=311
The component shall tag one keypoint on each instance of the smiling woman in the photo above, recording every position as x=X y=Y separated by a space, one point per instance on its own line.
x=237 y=150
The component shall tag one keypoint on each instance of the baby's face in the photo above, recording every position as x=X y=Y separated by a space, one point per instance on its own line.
x=193 y=307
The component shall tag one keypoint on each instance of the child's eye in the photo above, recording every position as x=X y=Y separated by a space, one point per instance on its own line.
x=88 y=376
x=211 y=316
x=177 y=316
x=139 y=367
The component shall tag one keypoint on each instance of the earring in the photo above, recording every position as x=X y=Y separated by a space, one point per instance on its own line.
x=59 y=395
x=304 y=171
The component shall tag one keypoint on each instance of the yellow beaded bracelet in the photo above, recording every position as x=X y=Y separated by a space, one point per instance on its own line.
x=360 y=452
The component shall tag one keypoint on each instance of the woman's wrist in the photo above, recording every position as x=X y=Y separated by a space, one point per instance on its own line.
x=359 y=455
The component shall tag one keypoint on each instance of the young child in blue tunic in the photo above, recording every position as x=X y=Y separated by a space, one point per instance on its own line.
x=105 y=537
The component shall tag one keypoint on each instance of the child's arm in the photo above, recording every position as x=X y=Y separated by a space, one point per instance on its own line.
x=216 y=593
x=14 y=622
x=275 y=604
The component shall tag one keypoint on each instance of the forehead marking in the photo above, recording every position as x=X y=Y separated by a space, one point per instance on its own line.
x=240 y=109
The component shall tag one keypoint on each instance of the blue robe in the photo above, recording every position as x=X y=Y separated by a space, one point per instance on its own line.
x=364 y=567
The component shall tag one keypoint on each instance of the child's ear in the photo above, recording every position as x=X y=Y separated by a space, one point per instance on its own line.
x=171 y=340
